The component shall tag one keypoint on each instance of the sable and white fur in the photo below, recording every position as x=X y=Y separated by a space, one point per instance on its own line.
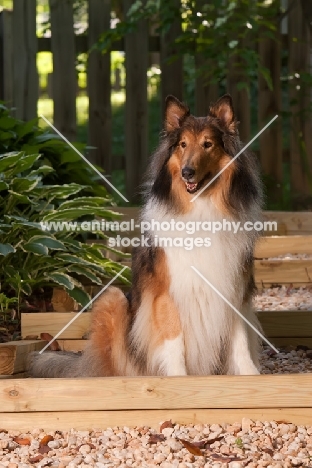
x=172 y=322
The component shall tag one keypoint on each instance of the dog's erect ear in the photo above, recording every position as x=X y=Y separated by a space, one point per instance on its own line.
x=223 y=110
x=175 y=112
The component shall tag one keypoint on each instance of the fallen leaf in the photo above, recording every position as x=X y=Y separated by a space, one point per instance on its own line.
x=191 y=448
x=288 y=290
x=217 y=457
x=216 y=439
x=22 y=441
x=282 y=421
x=154 y=438
x=46 y=439
x=35 y=459
x=31 y=337
x=201 y=443
x=269 y=451
x=166 y=424
x=53 y=346
x=44 y=449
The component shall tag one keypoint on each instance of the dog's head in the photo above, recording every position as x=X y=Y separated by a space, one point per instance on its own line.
x=200 y=149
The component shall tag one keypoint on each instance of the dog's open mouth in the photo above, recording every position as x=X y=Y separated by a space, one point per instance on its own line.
x=192 y=187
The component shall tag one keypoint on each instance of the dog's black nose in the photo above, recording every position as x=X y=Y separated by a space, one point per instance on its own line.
x=187 y=173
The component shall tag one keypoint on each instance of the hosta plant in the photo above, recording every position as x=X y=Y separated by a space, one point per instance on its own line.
x=32 y=258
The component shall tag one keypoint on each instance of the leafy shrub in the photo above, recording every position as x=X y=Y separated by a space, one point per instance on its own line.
x=16 y=135
x=42 y=179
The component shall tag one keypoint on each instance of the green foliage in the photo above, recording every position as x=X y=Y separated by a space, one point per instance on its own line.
x=42 y=180
x=239 y=443
x=31 y=256
x=59 y=164
x=217 y=30
x=6 y=305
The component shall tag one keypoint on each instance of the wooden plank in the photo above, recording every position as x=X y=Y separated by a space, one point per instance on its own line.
x=281 y=245
x=53 y=322
x=64 y=72
x=286 y=323
x=146 y=393
x=72 y=345
x=84 y=420
x=292 y=223
x=269 y=104
x=13 y=355
x=288 y=222
x=6 y=57
x=291 y=341
x=171 y=70
x=20 y=375
x=136 y=112
x=25 y=75
x=283 y=271
x=99 y=88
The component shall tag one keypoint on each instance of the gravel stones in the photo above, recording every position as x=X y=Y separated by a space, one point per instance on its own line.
x=247 y=443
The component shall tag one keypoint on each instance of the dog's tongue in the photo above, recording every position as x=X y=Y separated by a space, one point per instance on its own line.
x=191 y=186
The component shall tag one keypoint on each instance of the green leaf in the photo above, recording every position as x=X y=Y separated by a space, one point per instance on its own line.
x=24 y=184
x=74 y=213
x=3 y=185
x=36 y=248
x=41 y=170
x=47 y=241
x=7 y=122
x=6 y=249
x=85 y=272
x=62 y=279
x=58 y=191
x=85 y=201
x=19 y=198
x=80 y=296
x=25 y=162
x=72 y=259
x=9 y=160
x=26 y=128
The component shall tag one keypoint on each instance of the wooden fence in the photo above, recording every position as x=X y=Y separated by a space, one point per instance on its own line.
x=19 y=86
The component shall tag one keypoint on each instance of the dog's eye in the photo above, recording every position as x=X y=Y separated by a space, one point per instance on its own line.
x=183 y=144
x=207 y=144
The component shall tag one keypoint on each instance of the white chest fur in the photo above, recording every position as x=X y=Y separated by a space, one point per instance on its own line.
x=205 y=317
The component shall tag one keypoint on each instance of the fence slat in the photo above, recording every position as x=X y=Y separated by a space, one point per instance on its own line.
x=99 y=88
x=64 y=84
x=25 y=76
x=300 y=98
x=269 y=104
x=6 y=57
x=205 y=92
x=136 y=126
x=171 y=71
x=241 y=101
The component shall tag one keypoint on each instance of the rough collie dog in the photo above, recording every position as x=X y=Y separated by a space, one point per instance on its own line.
x=173 y=322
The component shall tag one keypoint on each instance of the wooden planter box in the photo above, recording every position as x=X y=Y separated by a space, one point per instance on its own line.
x=106 y=402
x=62 y=404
